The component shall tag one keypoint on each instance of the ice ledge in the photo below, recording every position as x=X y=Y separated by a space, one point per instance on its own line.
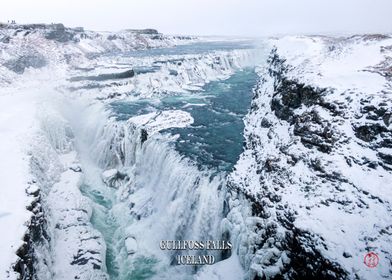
x=157 y=121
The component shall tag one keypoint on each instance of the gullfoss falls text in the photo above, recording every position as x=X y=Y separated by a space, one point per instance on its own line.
x=201 y=246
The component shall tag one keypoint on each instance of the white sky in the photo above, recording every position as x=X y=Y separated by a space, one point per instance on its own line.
x=209 y=17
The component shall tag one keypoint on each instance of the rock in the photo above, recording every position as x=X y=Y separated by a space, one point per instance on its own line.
x=369 y=132
x=20 y=64
x=112 y=37
x=387 y=118
x=59 y=33
x=113 y=178
x=78 y=29
x=143 y=135
x=148 y=31
x=131 y=245
x=103 y=77
x=290 y=95
x=387 y=158
x=5 y=39
x=33 y=190
x=173 y=72
x=75 y=168
x=88 y=256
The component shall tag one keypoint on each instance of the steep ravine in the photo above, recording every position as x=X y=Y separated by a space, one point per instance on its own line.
x=107 y=188
x=311 y=175
x=63 y=239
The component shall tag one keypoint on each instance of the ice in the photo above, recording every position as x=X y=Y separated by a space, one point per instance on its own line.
x=157 y=121
x=229 y=269
x=109 y=174
x=131 y=244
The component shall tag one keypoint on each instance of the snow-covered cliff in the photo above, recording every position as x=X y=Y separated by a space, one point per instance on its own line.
x=38 y=46
x=317 y=169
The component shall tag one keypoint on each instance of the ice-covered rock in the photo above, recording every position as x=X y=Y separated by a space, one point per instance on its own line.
x=131 y=245
x=34 y=46
x=314 y=170
x=113 y=178
x=157 y=121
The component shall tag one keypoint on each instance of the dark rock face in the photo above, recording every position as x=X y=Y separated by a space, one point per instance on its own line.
x=36 y=234
x=20 y=64
x=113 y=37
x=60 y=36
x=290 y=95
x=304 y=259
x=305 y=263
x=5 y=39
x=369 y=132
x=376 y=131
x=315 y=132
x=149 y=31
x=143 y=136
x=59 y=33
x=116 y=179
x=81 y=259
x=103 y=77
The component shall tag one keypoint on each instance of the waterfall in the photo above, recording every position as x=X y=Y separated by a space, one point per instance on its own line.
x=152 y=193
x=114 y=189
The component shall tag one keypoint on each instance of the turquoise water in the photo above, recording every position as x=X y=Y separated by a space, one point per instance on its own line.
x=215 y=139
x=104 y=222
x=214 y=142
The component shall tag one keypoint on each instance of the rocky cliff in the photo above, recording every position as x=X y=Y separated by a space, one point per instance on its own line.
x=316 y=170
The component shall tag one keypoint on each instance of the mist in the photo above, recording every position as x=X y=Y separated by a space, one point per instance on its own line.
x=205 y=17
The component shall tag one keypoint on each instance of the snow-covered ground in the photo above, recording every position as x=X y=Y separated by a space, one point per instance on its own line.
x=15 y=125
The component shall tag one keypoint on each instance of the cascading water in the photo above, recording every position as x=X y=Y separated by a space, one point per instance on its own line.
x=148 y=182
x=159 y=196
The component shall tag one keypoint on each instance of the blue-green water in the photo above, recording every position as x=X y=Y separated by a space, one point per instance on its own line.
x=214 y=142
x=215 y=139
x=103 y=221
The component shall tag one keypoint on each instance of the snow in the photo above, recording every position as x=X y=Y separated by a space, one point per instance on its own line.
x=131 y=245
x=70 y=214
x=344 y=67
x=229 y=269
x=351 y=215
x=108 y=174
x=157 y=121
x=16 y=125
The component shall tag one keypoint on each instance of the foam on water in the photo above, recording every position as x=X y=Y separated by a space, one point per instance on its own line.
x=215 y=138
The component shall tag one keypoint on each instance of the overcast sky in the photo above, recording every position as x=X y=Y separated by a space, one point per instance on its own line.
x=209 y=17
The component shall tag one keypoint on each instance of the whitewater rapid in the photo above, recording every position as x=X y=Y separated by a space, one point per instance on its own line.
x=159 y=195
